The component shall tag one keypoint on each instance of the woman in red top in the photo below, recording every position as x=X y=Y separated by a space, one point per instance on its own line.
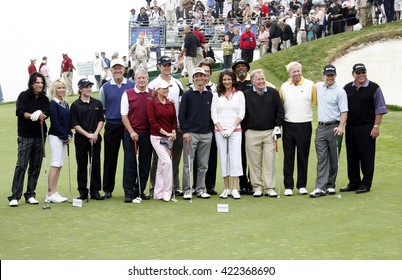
x=162 y=120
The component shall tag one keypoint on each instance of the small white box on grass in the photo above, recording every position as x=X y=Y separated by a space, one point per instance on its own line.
x=77 y=202
x=224 y=208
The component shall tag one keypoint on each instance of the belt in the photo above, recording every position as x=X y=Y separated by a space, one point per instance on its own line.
x=328 y=123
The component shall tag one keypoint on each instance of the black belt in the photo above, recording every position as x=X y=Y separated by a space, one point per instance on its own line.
x=328 y=123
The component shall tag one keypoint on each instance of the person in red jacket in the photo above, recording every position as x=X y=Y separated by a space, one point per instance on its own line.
x=32 y=67
x=247 y=44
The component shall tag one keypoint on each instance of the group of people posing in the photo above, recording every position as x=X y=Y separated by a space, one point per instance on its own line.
x=239 y=118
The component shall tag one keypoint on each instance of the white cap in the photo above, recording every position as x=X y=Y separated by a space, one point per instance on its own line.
x=162 y=84
x=198 y=70
x=117 y=61
x=248 y=26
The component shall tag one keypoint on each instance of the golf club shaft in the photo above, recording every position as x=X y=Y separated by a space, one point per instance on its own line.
x=189 y=170
x=90 y=170
x=228 y=161
x=138 y=168
x=69 y=171
x=44 y=164
x=277 y=169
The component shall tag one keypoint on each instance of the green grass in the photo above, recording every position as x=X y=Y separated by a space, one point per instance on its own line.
x=351 y=227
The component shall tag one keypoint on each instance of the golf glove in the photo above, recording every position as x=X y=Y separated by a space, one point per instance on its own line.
x=228 y=131
x=35 y=115
x=276 y=133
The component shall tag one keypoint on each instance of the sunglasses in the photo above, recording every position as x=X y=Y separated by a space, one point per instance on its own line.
x=360 y=72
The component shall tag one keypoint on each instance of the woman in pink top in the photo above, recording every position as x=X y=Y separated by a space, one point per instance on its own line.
x=263 y=38
x=162 y=120
x=227 y=112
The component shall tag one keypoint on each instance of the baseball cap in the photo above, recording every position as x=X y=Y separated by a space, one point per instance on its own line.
x=84 y=83
x=33 y=59
x=162 y=84
x=64 y=53
x=359 y=67
x=164 y=60
x=241 y=61
x=329 y=70
x=116 y=61
x=198 y=70
x=248 y=26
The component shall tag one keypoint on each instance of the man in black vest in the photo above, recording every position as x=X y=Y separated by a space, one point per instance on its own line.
x=366 y=107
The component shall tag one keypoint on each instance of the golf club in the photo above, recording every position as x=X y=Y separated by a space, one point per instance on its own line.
x=90 y=170
x=138 y=171
x=228 y=162
x=337 y=158
x=189 y=171
x=173 y=191
x=70 y=200
x=47 y=206
x=277 y=170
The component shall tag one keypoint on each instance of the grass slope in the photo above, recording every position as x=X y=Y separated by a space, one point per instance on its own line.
x=351 y=227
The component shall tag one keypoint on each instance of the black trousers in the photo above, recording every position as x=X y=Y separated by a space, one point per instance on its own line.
x=244 y=180
x=360 y=153
x=131 y=180
x=210 y=176
x=83 y=153
x=247 y=55
x=296 y=135
x=30 y=152
x=113 y=136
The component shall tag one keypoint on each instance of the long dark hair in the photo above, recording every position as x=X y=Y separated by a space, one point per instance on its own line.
x=220 y=88
x=32 y=80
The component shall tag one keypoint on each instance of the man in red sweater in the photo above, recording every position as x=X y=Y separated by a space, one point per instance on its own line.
x=32 y=67
x=247 y=44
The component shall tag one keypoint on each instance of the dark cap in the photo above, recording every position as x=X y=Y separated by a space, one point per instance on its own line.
x=329 y=70
x=164 y=60
x=84 y=83
x=359 y=67
x=241 y=61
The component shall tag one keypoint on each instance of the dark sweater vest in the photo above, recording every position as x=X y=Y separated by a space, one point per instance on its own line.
x=361 y=104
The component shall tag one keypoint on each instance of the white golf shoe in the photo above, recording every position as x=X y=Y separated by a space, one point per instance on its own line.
x=236 y=194
x=288 y=192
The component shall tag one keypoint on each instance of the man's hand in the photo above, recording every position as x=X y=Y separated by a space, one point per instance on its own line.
x=276 y=133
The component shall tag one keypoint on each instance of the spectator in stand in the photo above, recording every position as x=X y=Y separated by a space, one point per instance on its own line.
x=239 y=11
x=209 y=29
x=398 y=9
x=188 y=6
x=153 y=18
x=320 y=15
x=235 y=4
x=179 y=9
x=389 y=8
x=256 y=11
x=208 y=54
x=99 y=68
x=219 y=31
x=143 y=18
x=287 y=34
x=264 y=10
x=301 y=27
x=211 y=4
x=364 y=11
x=247 y=12
x=311 y=29
x=291 y=21
x=44 y=70
x=230 y=32
x=201 y=38
x=219 y=6
x=189 y=19
x=294 y=5
x=133 y=15
x=236 y=43
x=349 y=13
x=190 y=48
x=140 y=54
x=105 y=59
x=336 y=15
x=230 y=17
x=247 y=44
x=170 y=11
x=32 y=67
x=66 y=72
x=227 y=48
x=263 y=38
x=200 y=6
x=275 y=34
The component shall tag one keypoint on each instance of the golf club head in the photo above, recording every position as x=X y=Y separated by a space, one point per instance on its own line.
x=46 y=207
x=69 y=200
x=174 y=199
